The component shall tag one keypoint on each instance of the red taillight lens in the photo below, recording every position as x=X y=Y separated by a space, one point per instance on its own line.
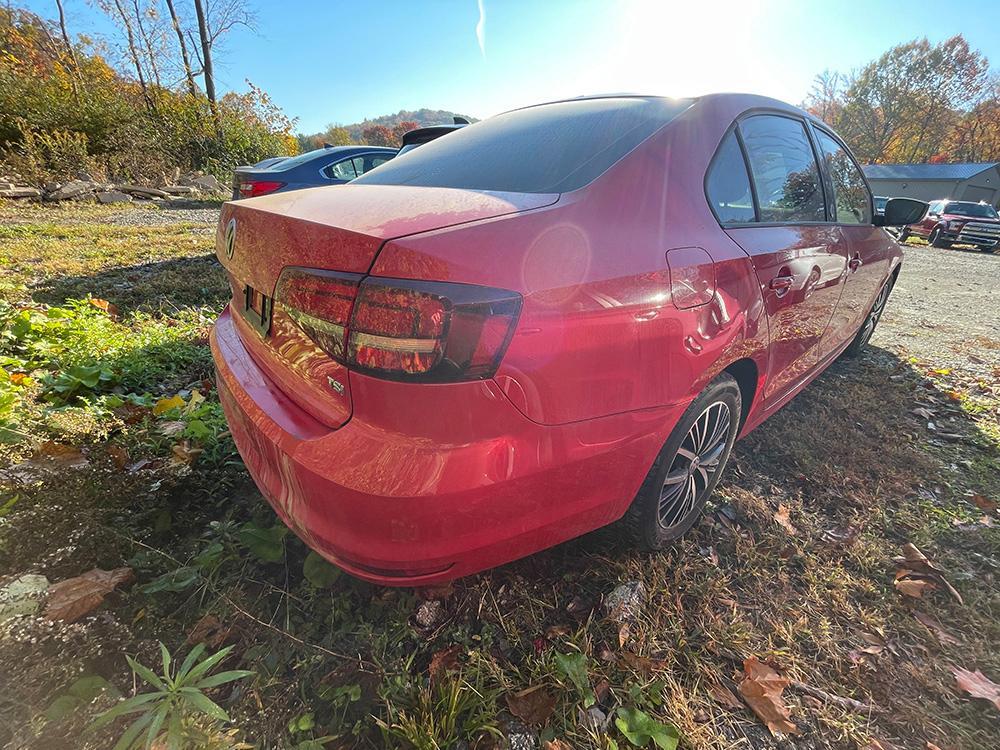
x=320 y=303
x=402 y=329
x=253 y=188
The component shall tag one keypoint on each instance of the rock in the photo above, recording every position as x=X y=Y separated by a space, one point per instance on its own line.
x=625 y=602
x=84 y=175
x=207 y=183
x=72 y=190
x=51 y=187
x=20 y=192
x=180 y=189
x=114 y=196
x=430 y=614
x=520 y=737
x=145 y=192
x=22 y=596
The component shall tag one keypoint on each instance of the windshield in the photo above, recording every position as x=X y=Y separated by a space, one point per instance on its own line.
x=973 y=210
x=552 y=148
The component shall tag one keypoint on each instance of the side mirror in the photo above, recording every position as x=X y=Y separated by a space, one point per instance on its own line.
x=900 y=212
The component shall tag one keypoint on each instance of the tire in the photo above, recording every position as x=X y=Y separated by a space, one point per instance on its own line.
x=706 y=430
x=867 y=330
x=935 y=239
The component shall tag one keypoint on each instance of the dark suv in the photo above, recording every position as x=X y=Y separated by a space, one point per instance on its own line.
x=957 y=222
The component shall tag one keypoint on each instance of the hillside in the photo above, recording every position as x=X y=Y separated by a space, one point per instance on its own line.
x=422 y=116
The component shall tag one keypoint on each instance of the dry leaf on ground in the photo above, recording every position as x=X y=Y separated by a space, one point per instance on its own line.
x=984 y=503
x=533 y=706
x=185 y=452
x=109 y=307
x=556 y=744
x=977 y=685
x=724 y=696
x=912 y=567
x=68 y=456
x=781 y=516
x=210 y=631
x=77 y=597
x=442 y=662
x=119 y=456
x=761 y=688
x=929 y=622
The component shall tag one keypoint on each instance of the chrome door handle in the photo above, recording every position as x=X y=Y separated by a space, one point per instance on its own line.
x=781 y=284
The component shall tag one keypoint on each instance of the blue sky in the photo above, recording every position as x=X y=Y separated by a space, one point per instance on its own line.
x=326 y=61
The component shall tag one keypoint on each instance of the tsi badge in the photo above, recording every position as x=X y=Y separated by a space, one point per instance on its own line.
x=335 y=384
x=231 y=238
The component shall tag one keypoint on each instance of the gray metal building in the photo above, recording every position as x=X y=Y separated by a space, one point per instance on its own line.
x=927 y=182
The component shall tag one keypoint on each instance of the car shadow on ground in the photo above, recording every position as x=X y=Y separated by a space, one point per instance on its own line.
x=793 y=557
x=157 y=285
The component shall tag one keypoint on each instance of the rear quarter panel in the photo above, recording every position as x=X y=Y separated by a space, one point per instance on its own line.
x=598 y=333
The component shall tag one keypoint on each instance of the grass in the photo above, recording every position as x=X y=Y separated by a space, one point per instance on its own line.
x=342 y=664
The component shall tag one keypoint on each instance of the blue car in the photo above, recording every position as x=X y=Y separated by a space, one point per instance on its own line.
x=330 y=165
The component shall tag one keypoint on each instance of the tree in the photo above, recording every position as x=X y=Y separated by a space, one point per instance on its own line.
x=378 y=135
x=336 y=135
x=402 y=129
x=182 y=46
x=903 y=106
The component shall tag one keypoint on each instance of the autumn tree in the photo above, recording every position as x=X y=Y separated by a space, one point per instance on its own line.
x=906 y=105
x=402 y=129
x=378 y=135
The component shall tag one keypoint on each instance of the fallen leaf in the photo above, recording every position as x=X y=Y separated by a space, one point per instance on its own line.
x=913 y=587
x=984 y=503
x=74 y=598
x=556 y=744
x=556 y=631
x=102 y=304
x=725 y=696
x=185 y=452
x=194 y=402
x=977 y=685
x=118 y=455
x=171 y=427
x=781 y=516
x=643 y=664
x=914 y=565
x=66 y=455
x=843 y=537
x=210 y=631
x=761 y=688
x=533 y=706
x=946 y=638
x=166 y=404
x=624 y=634
x=442 y=662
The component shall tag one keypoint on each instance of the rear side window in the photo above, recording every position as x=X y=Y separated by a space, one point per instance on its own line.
x=345 y=170
x=849 y=190
x=783 y=168
x=552 y=148
x=728 y=185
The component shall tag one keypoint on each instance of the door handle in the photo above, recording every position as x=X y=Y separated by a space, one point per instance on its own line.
x=781 y=284
x=855 y=263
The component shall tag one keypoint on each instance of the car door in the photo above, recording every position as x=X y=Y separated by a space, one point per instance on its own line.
x=799 y=257
x=930 y=220
x=849 y=203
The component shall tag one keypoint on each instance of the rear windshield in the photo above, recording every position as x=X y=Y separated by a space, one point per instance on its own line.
x=974 y=210
x=552 y=148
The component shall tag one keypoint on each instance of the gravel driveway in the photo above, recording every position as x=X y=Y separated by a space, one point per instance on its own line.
x=945 y=309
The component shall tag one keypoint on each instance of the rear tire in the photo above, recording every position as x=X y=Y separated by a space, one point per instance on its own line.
x=867 y=330
x=935 y=239
x=688 y=467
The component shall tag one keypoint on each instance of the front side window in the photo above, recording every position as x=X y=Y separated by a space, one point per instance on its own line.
x=849 y=190
x=783 y=168
x=728 y=185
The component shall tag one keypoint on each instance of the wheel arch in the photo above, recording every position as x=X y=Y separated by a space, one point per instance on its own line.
x=747 y=376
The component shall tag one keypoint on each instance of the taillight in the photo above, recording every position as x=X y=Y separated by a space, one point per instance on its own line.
x=399 y=328
x=320 y=303
x=253 y=188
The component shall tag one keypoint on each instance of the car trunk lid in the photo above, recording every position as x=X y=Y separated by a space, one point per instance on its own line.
x=339 y=229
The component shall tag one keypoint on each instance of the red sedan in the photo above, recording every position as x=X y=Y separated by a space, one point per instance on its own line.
x=548 y=320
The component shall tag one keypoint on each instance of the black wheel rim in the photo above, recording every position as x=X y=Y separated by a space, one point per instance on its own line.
x=694 y=465
x=876 y=312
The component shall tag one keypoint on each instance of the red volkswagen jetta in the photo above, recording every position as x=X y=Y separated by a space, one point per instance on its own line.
x=546 y=321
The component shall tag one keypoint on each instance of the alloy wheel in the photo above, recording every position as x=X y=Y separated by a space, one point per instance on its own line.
x=876 y=312
x=694 y=465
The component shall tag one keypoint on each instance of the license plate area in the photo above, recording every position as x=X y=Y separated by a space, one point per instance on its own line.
x=256 y=310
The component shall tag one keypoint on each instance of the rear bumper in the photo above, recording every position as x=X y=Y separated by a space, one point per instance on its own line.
x=427 y=483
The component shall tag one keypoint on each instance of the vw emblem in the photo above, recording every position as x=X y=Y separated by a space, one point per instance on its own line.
x=231 y=238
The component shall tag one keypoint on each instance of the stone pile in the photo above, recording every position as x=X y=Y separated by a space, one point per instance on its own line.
x=192 y=185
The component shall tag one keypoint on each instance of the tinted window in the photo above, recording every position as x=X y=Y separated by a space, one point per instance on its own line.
x=552 y=148
x=345 y=170
x=972 y=210
x=295 y=161
x=728 y=185
x=784 y=169
x=849 y=190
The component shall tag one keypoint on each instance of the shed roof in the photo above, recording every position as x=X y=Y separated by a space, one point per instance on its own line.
x=919 y=172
